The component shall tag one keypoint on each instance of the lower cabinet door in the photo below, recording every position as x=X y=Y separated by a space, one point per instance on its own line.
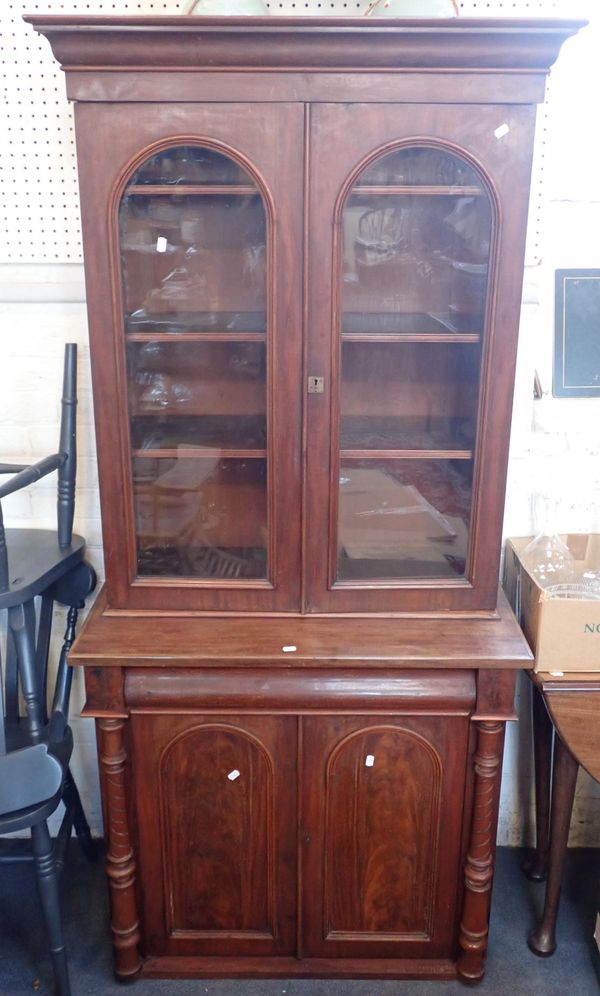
x=215 y=808
x=382 y=808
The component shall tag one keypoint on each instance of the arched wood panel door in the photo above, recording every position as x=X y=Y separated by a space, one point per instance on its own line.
x=215 y=799
x=382 y=835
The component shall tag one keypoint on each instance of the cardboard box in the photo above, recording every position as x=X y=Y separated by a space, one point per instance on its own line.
x=563 y=633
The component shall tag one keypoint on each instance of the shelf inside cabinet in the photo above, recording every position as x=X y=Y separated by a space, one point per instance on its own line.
x=433 y=190
x=395 y=438
x=215 y=336
x=198 y=436
x=200 y=453
x=367 y=454
x=191 y=190
x=403 y=327
x=142 y=326
x=458 y=337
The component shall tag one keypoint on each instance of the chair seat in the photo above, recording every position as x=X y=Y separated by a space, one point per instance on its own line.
x=35 y=561
x=31 y=776
x=28 y=777
x=29 y=816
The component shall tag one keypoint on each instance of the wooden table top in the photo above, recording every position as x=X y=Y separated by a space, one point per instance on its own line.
x=573 y=702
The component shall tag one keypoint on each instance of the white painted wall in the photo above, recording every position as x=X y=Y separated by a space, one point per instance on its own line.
x=555 y=443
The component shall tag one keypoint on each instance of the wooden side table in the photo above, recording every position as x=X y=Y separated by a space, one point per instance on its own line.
x=566 y=731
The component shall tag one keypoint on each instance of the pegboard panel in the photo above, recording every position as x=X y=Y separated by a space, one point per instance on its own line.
x=39 y=204
x=39 y=197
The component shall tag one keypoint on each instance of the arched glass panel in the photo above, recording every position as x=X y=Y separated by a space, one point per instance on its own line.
x=193 y=234
x=415 y=247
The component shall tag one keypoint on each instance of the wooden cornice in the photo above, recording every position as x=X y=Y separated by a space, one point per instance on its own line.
x=297 y=43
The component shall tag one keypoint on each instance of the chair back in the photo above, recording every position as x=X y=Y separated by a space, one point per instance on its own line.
x=64 y=461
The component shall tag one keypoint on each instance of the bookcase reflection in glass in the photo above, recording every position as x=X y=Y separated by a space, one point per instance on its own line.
x=193 y=244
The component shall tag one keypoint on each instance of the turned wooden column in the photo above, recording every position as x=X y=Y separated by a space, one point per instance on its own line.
x=479 y=867
x=120 y=865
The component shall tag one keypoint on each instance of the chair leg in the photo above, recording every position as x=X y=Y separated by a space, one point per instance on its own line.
x=72 y=803
x=47 y=880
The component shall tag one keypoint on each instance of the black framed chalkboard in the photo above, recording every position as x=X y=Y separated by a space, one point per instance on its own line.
x=577 y=334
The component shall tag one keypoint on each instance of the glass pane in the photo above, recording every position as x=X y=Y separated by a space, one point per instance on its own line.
x=409 y=396
x=404 y=518
x=415 y=260
x=194 y=289
x=419 y=166
x=416 y=234
x=193 y=262
x=191 y=164
x=203 y=380
x=203 y=518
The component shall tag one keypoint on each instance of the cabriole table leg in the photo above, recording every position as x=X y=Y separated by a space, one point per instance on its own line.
x=542 y=940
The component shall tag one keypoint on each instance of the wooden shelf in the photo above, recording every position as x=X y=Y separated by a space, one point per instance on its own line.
x=180 y=436
x=372 y=437
x=214 y=336
x=459 y=337
x=199 y=453
x=367 y=326
x=191 y=190
x=417 y=191
x=180 y=326
x=406 y=454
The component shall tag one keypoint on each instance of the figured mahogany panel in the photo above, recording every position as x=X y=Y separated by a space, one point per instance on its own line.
x=386 y=837
x=219 y=851
x=382 y=798
x=218 y=876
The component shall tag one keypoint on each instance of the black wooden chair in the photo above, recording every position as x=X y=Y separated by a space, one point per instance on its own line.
x=47 y=565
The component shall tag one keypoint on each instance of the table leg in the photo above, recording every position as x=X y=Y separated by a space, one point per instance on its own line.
x=537 y=868
x=542 y=940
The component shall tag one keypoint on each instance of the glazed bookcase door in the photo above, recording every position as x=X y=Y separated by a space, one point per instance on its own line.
x=382 y=835
x=413 y=330
x=207 y=342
